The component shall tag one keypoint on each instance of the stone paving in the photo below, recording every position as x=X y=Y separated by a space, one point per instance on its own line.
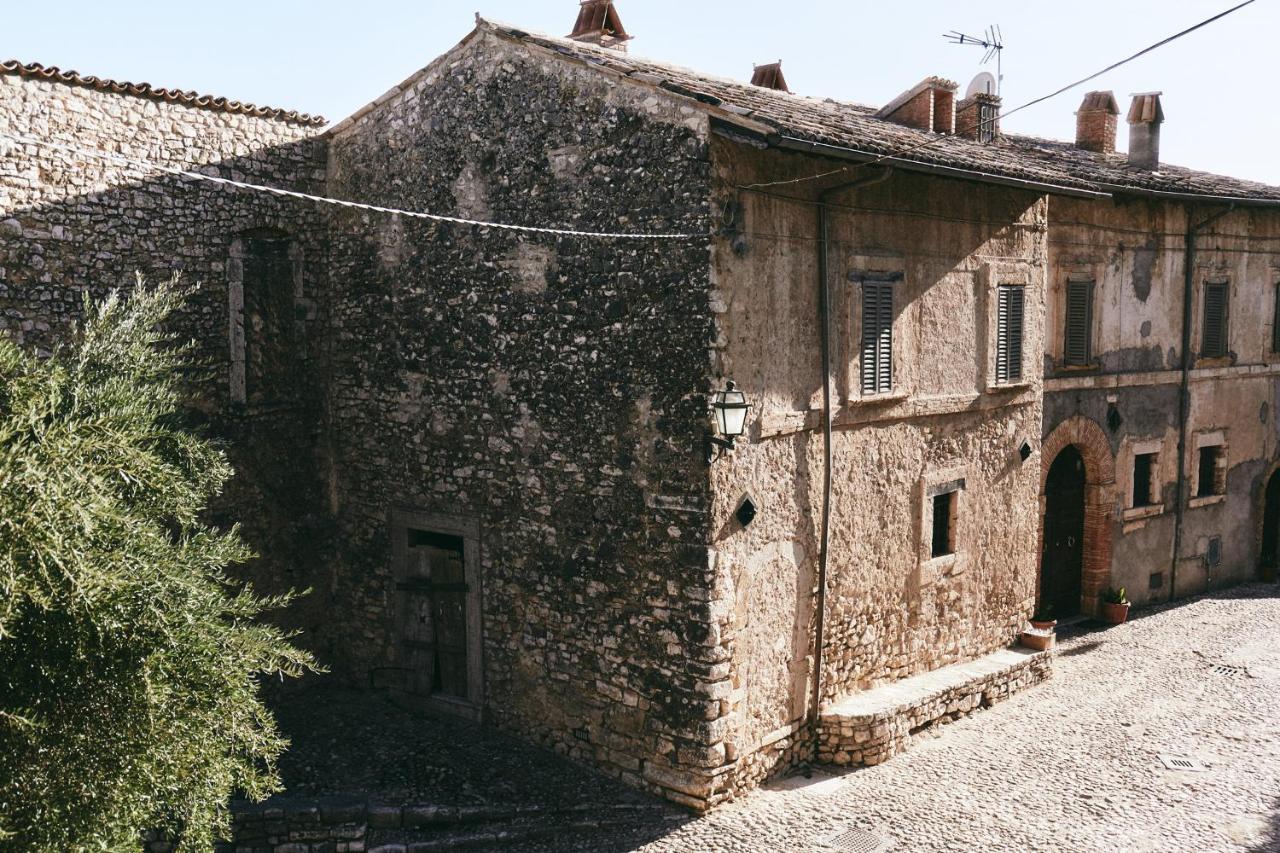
x=1070 y=765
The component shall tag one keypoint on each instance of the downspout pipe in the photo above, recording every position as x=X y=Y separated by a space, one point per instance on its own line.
x=824 y=334
x=1184 y=386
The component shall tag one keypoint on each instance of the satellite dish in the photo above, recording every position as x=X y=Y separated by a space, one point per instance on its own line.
x=983 y=84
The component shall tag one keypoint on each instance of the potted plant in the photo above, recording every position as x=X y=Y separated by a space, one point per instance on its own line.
x=1043 y=619
x=1115 y=606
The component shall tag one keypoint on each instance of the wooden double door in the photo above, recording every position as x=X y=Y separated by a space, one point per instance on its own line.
x=434 y=593
x=1062 y=563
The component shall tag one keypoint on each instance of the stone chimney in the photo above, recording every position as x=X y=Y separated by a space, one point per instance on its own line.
x=1145 y=118
x=598 y=23
x=928 y=105
x=1096 y=123
x=978 y=117
x=770 y=77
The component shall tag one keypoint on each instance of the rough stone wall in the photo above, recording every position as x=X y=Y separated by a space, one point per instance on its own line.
x=550 y=390
x=72 y=224
x=1135 y=253
x=892 y=609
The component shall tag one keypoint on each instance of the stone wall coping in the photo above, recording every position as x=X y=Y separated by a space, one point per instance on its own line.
x=891 y=698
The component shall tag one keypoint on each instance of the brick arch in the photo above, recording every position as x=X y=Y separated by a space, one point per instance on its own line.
x=1099 y=501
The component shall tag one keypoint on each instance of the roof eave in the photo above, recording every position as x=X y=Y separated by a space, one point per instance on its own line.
x=791 y=143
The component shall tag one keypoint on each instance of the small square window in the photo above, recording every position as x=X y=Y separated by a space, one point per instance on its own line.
x=1144 y=468
x=944 y=526
x=1211 y=476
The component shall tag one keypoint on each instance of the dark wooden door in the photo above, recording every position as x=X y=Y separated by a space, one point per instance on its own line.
x=435 y=608
x=1271 y=528
x=1062 y=564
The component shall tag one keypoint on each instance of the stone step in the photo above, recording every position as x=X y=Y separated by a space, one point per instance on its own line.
x=869 y=727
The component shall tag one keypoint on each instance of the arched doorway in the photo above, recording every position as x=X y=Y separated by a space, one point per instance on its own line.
x=1062 y=564
x=1270 y=557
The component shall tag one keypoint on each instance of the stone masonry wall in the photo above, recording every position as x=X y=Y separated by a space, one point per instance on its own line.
x=893 y=610
x=72 y=225
x=550 y=391
x=1135 y=255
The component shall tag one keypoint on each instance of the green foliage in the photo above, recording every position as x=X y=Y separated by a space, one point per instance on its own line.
x=1115 y=596
x=129 y=661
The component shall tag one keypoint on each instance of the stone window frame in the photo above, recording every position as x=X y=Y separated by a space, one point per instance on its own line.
x=468 y=529
x=1135 y=449
x=956 y=481
x=237 y=372
x=890 y=269
x=1201 y=440
x=993 y=276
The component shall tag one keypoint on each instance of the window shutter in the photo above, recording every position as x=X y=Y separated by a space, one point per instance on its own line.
x=1214 y=342
x=1009 y=321
x=877 y=337
x=1275 y=321
x=1077 y=349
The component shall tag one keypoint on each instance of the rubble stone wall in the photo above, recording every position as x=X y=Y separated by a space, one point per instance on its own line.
x=550 y=391
x=73 y=225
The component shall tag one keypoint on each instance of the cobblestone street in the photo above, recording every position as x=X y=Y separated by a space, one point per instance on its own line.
x=1072 y=765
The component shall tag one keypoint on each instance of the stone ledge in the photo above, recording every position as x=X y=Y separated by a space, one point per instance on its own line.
x=869 y=727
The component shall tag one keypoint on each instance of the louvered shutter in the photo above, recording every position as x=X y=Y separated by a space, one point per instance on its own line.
x=1077 y=349
x=1214 y=343
x=1275 y=322
x=1009 y=321
x=877 y=337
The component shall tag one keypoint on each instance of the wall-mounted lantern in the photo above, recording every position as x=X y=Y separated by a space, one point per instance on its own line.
x=730 y=410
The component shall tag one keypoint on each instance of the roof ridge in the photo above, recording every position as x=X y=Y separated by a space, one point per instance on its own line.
x=51 y=73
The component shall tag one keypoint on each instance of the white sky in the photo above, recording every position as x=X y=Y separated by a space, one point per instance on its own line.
x=332 y=57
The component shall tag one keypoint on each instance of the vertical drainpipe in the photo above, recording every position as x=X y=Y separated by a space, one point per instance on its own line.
x=1184 y=387
x=824 y=334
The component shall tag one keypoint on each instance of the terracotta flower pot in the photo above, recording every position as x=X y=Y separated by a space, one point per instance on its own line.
x=1114 y=614
x=1044 y=624
x=1038 y=640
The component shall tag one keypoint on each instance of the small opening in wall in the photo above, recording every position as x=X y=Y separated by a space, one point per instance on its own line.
x=1155 y=580
x=944 y=524
x=1143 y=467
x=1208 y=480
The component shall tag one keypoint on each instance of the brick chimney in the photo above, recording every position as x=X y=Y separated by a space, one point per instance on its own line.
x=1096 y=122
x=978 y=117
x=598 y=23
x=928 y=105
x=769 y=76
x=1145 y=117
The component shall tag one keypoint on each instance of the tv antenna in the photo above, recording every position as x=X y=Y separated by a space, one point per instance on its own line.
x=992 y=41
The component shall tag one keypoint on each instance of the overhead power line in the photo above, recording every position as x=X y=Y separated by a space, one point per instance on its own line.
x=1112 y=67
x=413 y=214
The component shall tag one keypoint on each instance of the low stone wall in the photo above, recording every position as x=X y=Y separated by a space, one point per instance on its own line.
x=862 y=734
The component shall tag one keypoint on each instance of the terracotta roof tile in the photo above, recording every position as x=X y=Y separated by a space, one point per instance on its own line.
x=36 y=71
x=854 y=126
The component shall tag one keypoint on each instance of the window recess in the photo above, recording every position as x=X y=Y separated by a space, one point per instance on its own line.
x=877 y=337
x=1213 y=343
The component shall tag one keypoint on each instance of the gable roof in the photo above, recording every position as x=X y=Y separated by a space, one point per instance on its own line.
x=852 y=131
x=51 y=73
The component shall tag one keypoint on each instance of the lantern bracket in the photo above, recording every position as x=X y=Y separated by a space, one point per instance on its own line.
x=714 y=443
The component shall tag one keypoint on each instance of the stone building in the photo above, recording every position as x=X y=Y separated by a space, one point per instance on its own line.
x=483 y=448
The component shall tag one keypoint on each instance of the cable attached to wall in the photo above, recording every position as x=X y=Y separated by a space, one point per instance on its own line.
x=412 y=214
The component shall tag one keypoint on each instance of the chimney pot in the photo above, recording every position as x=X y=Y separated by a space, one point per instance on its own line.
x=978 y=117
x=928 y=105
x=769 y=76
x=598 y=23
x=1145 y=117
x=1096 y=122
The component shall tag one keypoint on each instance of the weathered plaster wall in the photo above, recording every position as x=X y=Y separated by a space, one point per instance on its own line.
x=893 y=611
x=550 y=389
x=1135 y=253
x=73 y=224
